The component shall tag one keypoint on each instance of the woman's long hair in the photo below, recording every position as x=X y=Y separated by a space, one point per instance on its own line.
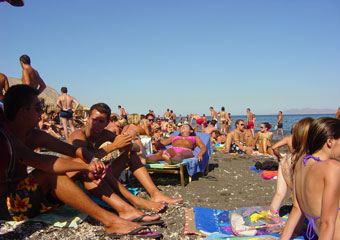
x=300 y=135
x=320 y=130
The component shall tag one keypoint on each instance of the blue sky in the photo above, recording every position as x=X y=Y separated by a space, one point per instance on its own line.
x=184 y=55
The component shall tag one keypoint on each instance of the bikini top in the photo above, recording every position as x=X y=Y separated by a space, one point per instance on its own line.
x=311 y=224
x=190 y=138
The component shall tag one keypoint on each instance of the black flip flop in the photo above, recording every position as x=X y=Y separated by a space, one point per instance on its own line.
x=147 y=223
x=135 y=233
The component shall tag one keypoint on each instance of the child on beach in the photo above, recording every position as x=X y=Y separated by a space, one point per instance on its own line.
x=316 y=181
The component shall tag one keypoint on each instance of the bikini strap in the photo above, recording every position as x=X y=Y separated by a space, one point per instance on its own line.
x=307 y=156
x=310 y=227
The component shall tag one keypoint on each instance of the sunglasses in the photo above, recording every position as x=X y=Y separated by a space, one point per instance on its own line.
x=241 y=124
x=151 y=119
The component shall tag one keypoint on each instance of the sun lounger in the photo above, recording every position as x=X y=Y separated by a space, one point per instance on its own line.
x=192 y=165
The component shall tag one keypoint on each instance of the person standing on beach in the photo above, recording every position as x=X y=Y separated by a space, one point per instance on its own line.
x=250 y=121
x=337 y=115
x=279 y=124
x=122 y=111
x=173 y=116
x=214 y=115
x=166 y=115
x=30 y=76
x=223 y=120
x=65 y=102
x=4 y=85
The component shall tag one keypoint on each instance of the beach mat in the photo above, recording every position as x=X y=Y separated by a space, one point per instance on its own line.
x=215 y=223
x=64 y=216
x=190 y=227
x=209 y=220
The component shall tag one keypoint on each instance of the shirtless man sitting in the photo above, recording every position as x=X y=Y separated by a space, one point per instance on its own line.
x=94 y=135
x=30 y=76
x=4 y=85
x=236 y=140
x=49 y=180
x=65 y=103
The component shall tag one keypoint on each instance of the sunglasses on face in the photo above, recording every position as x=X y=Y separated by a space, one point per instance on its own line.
x=242 y=124
x=151 y=119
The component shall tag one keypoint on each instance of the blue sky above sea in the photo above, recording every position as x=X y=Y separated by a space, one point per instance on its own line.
x=182 y=55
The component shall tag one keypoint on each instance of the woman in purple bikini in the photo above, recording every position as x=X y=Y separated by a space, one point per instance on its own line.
x=183 y=146
x=316 y=182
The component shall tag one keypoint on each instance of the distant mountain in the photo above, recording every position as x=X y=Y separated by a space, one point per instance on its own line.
x=309 y=111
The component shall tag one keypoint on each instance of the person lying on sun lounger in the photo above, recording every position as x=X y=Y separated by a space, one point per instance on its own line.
x=182 y=147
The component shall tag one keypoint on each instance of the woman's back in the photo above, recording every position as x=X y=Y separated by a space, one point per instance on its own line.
x=310 y=181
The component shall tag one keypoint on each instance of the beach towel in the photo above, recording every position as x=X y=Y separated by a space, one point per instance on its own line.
x=190 y=227
x=209 y=220
x=63 y=216
x=268 y=174
x=254 y=169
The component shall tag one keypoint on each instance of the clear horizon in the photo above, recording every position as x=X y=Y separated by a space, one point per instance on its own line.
x=181 y=55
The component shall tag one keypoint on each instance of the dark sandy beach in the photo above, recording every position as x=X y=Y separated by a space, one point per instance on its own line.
x=230 y=184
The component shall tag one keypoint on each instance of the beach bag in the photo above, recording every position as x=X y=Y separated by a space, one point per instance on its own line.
x=251 y=221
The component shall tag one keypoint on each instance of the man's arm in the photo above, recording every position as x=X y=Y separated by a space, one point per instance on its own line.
x=41 y=82
x=38 y=138
x=6 y=84
x=201 y=145
x=59 y=103
x=337 y=115
x=76 y=102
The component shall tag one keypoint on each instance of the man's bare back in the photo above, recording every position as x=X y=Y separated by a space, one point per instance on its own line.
x=30 y=76
x=65 y=102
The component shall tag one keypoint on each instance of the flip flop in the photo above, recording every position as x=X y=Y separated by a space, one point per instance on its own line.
x=135 y=233
x=147 y=223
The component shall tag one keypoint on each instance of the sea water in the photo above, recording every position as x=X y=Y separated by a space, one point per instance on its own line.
x=288 y=121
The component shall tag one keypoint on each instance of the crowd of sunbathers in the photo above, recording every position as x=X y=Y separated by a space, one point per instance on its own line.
x=311 y=170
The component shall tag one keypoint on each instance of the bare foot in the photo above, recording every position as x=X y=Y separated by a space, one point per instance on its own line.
x=160 y=197
x=132 y=214
x=121 y=226
x=149 y=205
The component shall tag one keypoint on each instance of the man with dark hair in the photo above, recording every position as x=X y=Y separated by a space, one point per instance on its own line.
x=122 y=111
x=49 y=180
x=30 y=76
x=94 y=134
x=4 y=85
x=236 y=140
x=65 y=103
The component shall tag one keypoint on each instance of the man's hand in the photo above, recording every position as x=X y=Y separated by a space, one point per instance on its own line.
x=122 y=141
x=96 y=171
